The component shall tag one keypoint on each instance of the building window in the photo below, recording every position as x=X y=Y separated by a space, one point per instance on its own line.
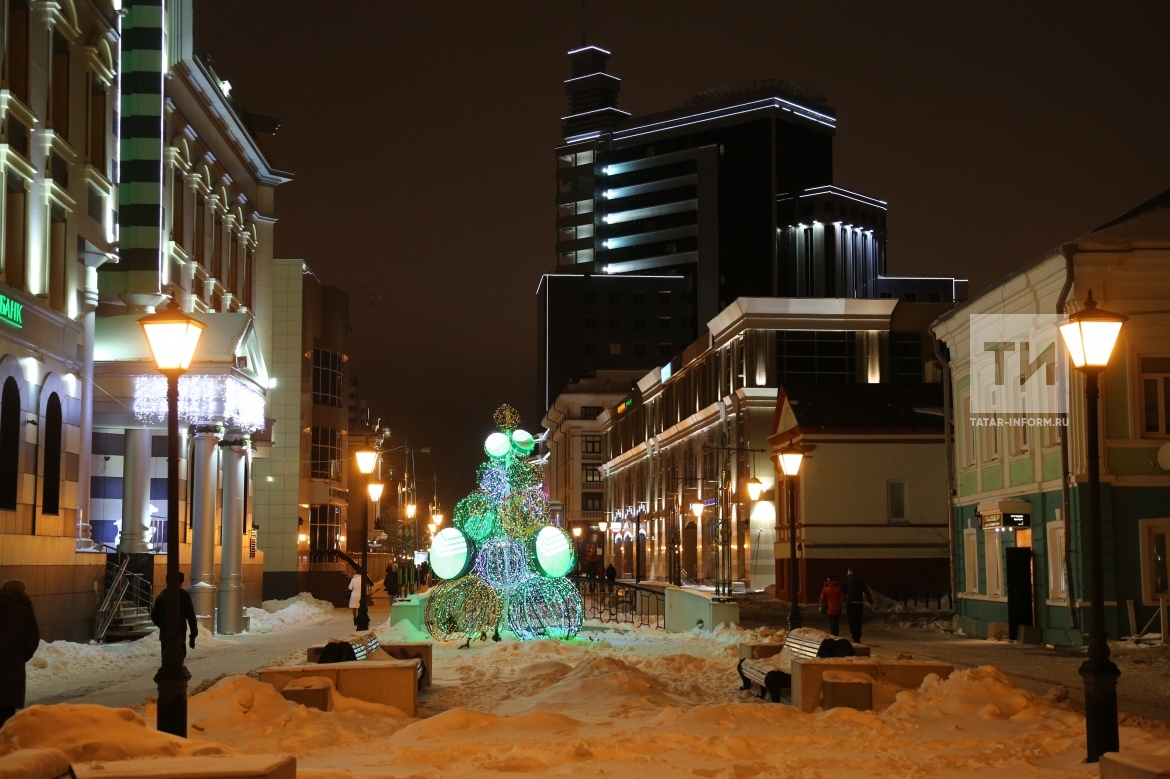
x=589 y=349
x=896 y=501
x=591 y=501
x=1155 y=541
x=325 y=454
x=9 y=443
x=17 y=62
x=589 y=297
x=95 y=138
x=971 y=561
x=615 y=323
x=591 y=444
x=51 y=492
x=327 y=378
x=590 y=323
x=639 y=350
x=615 y=348
x=663 y=323
x=1155 y=396
x=664 y=350
x=810 y=357
x=664 y=297
x=1057 y=581
x=991 y=434
x=993 y=562
x=968 y=432
x=590 y=476
x=324 y=528
x=590 y=412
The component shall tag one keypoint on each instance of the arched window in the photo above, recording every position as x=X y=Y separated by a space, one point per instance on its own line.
x=51 y=492
x=9 y=443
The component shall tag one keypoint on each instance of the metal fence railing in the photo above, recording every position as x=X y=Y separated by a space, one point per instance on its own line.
x=624 y=603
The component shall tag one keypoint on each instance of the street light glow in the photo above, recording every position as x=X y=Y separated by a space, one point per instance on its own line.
x=1090 y=334
x=697 y=509
x=366 y=460
x=172 y=336
x=790 y=459
x=754 y=488
x=375 y=489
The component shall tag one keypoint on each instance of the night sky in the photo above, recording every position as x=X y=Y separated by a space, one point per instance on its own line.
x=422 y=138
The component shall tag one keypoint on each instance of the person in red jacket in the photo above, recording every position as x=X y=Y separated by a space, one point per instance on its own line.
x=831 y=604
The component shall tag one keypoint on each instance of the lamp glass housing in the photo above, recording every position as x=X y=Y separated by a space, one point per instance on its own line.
x=375 y=489
x=437 y=519
x=172 y=337
x=602 y=526
x=790 y=459
x=754 y=488
x=410 y=509
x=366 y=460
x=697 y=509
x=577 y=532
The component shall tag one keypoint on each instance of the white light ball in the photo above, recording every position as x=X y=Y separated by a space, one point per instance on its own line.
x=497 y=445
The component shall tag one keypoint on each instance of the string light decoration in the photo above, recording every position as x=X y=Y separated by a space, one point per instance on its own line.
x=476 y=516
x=520 y=558
x=203 y=399
x=467 y=607
x=542 y=607
x=502 y=563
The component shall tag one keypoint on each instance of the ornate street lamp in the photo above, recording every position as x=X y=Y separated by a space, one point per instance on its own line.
x=173 y=337
x=1090 y=335
x=754 y=488
x=367 y=460
x=790 y=459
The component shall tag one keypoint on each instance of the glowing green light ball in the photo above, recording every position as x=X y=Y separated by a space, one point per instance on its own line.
x=523 y=440
x=553 y=551
x=475 y=515
x=497 y=445
x=451 y=553
x=545 y=608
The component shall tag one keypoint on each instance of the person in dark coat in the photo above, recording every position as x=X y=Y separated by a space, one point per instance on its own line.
x=856 y=589
x=19 y=639
x=611 y=573
x=158 y=612
x=391 y=581
x=831 y=595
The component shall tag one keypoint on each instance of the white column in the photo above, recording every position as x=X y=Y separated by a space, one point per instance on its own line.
x=229 y=618
x=135 y=492
x=204 y=484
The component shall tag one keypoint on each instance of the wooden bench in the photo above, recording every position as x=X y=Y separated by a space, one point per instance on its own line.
x=389 y=682
x=772 y=670
x=366 y=646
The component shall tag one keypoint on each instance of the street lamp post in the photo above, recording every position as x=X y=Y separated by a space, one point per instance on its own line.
x=1090 y=335
x=172 y=336
x=367 y=460
x=790 y=458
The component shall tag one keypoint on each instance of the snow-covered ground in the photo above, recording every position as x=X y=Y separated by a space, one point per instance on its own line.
x=639 y=703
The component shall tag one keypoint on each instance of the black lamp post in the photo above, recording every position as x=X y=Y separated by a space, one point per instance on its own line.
x=790 y=458
x=1090 y=335
x=367 y=459
x=172 y=336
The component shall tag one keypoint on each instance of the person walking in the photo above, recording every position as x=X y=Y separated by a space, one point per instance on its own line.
x=355 y=593
x=855 y=590
x=158 y=612
x=831 y=595
x=19 y=639
x=391 y=581
x=611 y=574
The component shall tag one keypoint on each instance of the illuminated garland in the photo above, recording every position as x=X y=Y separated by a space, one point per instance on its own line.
x=545 y=608
x=517 y=552
x=502 y=563
x=466 y=607
x=476 y=516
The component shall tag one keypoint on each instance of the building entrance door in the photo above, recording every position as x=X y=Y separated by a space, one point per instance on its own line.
x=690 y=551
x=1019 y=589
x=628 y=559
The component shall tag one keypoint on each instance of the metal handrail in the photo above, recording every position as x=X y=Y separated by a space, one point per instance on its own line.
x=338 y=556
x=113 y=598
x=632 y=604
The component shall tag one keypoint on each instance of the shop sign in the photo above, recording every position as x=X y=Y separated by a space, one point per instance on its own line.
x=11 y=311
x=1006 y=521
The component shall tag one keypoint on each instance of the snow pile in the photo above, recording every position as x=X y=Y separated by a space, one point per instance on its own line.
x=302 y=609
x=61 y=660
x=402 y=632
x=87 y=732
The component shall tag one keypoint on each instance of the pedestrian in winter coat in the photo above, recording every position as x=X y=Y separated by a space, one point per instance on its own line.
x=831 y=596
x=158 y=612
x=391 y=581
x=19 y=638
x=611 y=573
x=355 y=593
x=856 y=589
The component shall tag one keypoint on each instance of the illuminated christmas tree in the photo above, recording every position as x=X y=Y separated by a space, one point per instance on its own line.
x=504 y=563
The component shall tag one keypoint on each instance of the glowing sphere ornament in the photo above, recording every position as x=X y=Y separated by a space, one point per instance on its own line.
x=497 y=445
x=523 y=441
x=466 y=607
x=502 y=563
x=522 y=513
x=553 y=552
x=506 y=418
x=476 y=516
x=493 y=479
x=451 y=553
x=523 y=474
x=545 y=608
